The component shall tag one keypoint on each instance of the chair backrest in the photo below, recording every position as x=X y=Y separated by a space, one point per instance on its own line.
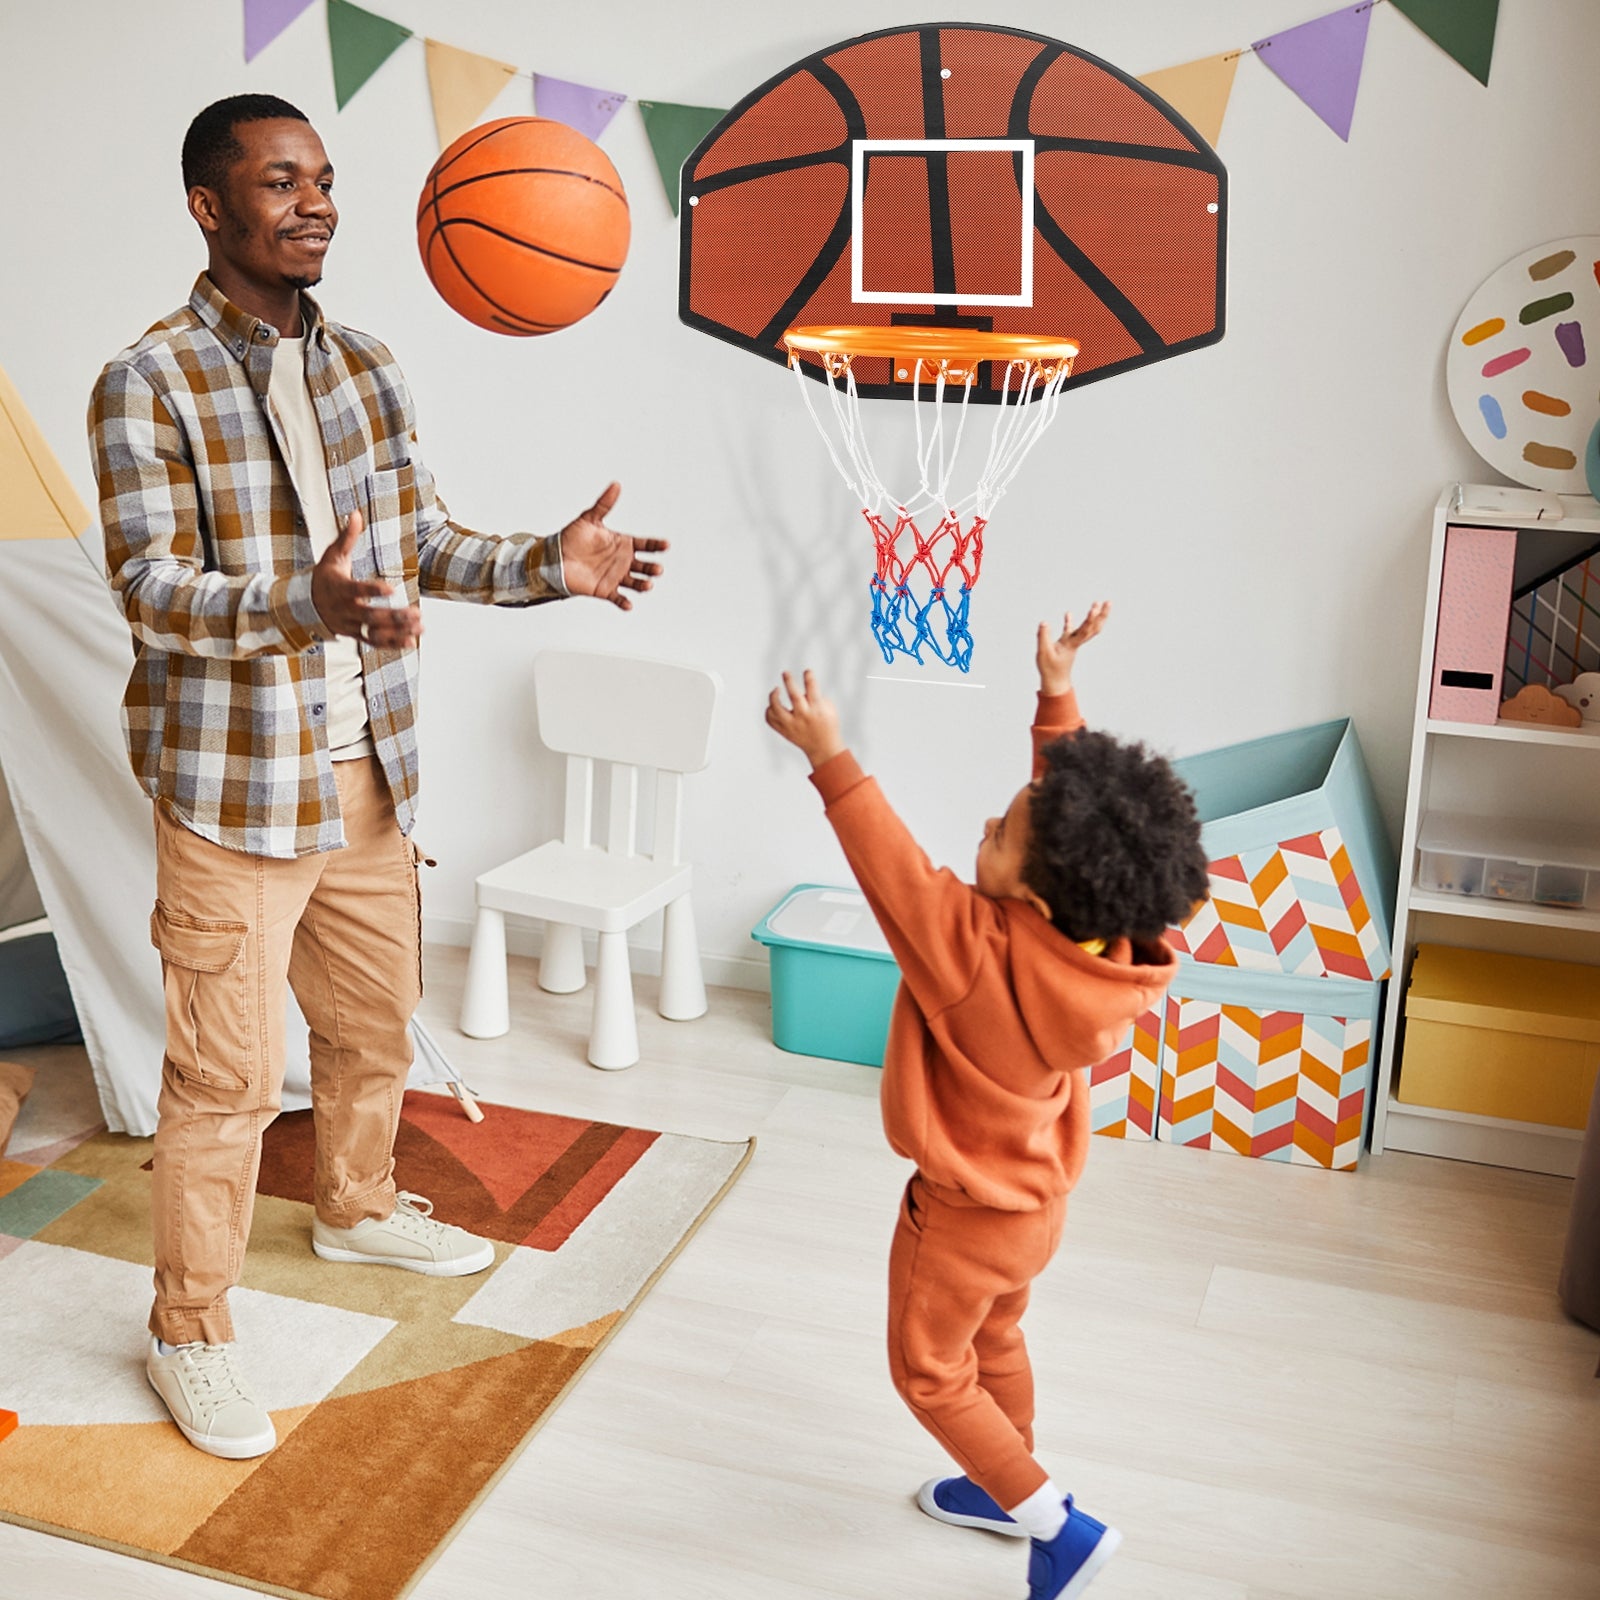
x=633 y=713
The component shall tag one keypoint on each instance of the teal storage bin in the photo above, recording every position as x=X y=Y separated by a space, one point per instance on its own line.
x=833 y=978
x=1265 y=1043
x=1302 y=876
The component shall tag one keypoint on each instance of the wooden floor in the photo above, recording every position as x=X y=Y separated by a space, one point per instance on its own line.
x=1277 y=1382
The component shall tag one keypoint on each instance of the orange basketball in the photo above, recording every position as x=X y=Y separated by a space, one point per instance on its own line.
x=523 y=225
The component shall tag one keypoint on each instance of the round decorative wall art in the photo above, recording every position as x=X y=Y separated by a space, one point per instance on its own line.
x=1523 y=371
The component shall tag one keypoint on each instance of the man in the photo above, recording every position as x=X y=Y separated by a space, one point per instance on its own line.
x=269 y=529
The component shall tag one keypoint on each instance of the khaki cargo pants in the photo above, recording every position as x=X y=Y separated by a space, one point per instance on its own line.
x=344 y=929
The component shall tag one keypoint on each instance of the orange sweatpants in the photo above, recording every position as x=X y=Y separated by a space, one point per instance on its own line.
x=959 y=1276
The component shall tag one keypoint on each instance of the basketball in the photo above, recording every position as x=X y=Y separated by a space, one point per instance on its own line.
x=523 y=225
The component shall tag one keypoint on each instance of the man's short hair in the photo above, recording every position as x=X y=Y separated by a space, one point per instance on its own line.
x=1114 y=847
x=210 y=146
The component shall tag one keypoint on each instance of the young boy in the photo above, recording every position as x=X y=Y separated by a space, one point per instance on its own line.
x=1010 y=989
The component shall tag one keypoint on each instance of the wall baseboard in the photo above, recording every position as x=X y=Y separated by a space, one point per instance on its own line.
x=527 y=939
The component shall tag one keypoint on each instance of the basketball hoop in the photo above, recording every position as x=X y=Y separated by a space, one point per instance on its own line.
x=913 y=608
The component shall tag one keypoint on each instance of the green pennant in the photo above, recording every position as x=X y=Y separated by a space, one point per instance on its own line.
x=674 y=131
x=1462 y=28
x=360 y=42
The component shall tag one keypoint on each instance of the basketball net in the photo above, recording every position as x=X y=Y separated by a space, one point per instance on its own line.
x=922 y=581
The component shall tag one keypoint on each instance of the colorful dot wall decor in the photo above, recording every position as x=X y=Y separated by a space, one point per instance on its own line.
x=1523 y=370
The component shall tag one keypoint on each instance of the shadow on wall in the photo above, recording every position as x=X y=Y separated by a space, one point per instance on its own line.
x=814 y=553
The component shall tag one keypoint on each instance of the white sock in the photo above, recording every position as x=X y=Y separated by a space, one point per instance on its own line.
x=165 y=1348
x=1043 y=1513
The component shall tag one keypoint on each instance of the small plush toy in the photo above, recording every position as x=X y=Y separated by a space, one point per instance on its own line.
x=1584 y=693
x=1535 y=703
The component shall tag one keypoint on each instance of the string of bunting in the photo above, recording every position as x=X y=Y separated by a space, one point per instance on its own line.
x=1319 y=60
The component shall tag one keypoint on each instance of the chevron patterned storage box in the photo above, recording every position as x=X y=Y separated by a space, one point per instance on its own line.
x=1265 y=1045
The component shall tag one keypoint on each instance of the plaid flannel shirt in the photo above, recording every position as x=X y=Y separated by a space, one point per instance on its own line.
x=225 y=714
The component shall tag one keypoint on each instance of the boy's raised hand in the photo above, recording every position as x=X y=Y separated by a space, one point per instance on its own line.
x=1056 y=656
x=809 y=721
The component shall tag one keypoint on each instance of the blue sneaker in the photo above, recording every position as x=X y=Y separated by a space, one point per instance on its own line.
x=960 y=1502
x=1063 y=1567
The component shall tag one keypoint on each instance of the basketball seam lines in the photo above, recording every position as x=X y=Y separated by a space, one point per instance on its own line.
x=512 y=172
x=938 y=166
x=437 y=237
x=488 y=133
x=1134 y=323
x=855 y=126
x=837 y=155
x=445 y=223
x=1156 y=154
x=510 y=316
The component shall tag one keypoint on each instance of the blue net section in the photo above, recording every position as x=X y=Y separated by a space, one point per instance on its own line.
x=922 y=587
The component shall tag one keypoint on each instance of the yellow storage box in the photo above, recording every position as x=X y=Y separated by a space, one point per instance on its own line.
x=1501 y=1036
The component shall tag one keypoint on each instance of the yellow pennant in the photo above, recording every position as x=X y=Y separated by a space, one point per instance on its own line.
x=1198 y=91
x=36 y=500
x=462 y=85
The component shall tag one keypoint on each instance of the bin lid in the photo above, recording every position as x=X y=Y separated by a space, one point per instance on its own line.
x=1519 y=994
x=821 y=918
x=1533 y=843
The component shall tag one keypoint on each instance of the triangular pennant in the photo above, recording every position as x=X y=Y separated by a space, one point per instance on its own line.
x=264 y=20
x=1321 y=61
x=576 y=104
x=674 y=131
x=36 y=499
x=1462 y=28
x=360 y=42
x=462 y=85
x=1198 y=91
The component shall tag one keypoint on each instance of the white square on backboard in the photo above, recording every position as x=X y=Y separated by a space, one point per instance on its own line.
x=860 y=149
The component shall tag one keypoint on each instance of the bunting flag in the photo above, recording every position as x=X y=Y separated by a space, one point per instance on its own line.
x=674 y=131
x=1321 y=61
x=462 y=86
x=264 y=20
x=360 y=42
x=588 y=110
x=40 y=501
x=1463 y=29
x=1198 y=91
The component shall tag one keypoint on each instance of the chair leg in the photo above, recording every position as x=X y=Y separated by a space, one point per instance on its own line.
x=683 y=989
x=561 y=969
x=613 y=1032
x=485 y=1000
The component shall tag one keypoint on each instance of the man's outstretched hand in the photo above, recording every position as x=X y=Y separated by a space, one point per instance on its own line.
x=360 y=609
x=597 y=560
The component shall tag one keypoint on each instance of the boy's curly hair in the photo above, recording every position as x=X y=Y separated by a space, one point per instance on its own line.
x=1114 y=845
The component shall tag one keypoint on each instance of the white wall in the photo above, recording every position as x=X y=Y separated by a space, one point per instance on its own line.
x=1257 y=511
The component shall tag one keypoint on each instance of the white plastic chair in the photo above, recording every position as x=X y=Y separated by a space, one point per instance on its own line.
x=633 y=714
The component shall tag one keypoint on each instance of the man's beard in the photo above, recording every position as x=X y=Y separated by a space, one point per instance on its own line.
x=304 y=282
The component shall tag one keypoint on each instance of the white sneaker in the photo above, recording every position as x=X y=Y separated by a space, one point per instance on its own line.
x=408 y=1237
x=211 y=1406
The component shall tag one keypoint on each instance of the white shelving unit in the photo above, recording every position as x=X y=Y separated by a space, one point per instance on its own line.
x=1508 y=776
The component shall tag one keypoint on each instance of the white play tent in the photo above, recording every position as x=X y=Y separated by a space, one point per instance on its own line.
x=76 y=838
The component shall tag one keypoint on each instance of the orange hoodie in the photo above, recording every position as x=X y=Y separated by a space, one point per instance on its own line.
x=998 y=1015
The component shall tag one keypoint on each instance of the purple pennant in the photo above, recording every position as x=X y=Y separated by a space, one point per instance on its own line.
x=576 y=104
x=1321 y=61
x=264 y=20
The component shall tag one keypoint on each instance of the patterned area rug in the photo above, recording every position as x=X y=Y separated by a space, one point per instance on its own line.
x=398 y=1399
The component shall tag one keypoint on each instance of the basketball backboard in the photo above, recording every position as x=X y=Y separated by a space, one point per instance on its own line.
x=957 y=175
